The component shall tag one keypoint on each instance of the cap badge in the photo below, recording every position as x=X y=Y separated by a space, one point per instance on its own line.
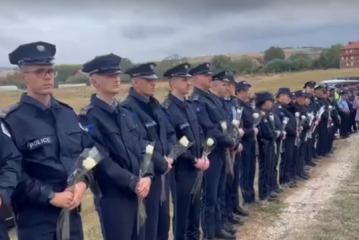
x=40 y=48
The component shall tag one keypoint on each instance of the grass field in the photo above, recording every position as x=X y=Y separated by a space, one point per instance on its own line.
x=79 y=98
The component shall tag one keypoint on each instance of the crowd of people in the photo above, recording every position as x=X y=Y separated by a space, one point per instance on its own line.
x=202 y=153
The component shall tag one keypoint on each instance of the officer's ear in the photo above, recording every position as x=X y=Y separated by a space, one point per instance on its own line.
x=94 y=81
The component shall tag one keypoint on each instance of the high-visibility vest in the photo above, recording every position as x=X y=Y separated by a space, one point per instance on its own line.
x=337 y=97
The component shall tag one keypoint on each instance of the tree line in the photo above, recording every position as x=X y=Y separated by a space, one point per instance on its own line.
x=274 y=61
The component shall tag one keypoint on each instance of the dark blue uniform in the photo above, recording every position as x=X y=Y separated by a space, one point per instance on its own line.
x=283 y=110
x=10 y=171
x=266 y=139
x=50 y=140
x=154 y=126
x=118 y=137
x=248 y=141
x=184 y=120
x=210 y=114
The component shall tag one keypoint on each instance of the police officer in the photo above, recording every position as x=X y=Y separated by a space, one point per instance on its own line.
x=248 y=160
x=299 y=152
x=232 y=107
x=117 y=135
x=323 y=133
x=266 y=139
x=313 y=108
x=282 y=109
x=219 y=88
x=50 y=139
x=10 y=171
x=155 y=127
x=210 y=114
x=184 y=120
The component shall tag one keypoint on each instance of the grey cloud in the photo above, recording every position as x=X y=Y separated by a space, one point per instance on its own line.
x=142 y=31
x=152 y=29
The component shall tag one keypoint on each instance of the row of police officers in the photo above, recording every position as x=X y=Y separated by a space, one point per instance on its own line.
x=42 y=137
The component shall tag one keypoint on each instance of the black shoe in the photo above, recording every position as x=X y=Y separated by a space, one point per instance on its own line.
x=312 y=164
x=273 y=195
x=278 y=190
x=240 y=211
x=235 y=220
x=229 y=228
x=223 y=234
x=271 y=199
x=293 y=184
x=303 y=176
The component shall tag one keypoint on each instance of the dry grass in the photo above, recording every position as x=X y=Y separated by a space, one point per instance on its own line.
x=339 y=220
x=79 y=98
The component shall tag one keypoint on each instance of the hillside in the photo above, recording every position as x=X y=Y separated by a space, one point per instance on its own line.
x=311 y=52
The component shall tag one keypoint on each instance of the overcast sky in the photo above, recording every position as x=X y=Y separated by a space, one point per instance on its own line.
x=144 y=30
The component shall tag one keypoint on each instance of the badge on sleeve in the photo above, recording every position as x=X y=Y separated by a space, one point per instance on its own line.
x=5 y=131
x=82 y=127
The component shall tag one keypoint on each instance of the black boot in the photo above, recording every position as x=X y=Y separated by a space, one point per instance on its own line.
x=240 y=211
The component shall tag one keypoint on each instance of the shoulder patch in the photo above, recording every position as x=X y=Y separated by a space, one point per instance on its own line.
x=84 y=110
x=8 y=110
x=5 y=130
x=88 y=128
x=166 y=103
x=195 y=97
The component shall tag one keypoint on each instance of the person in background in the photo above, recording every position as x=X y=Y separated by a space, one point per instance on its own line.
x=344 y=113
x=352 y=124
x=356 y=107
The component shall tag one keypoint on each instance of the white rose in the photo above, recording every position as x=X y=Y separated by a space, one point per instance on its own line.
x=184 y=141
x=255 y=115
x=149 y=149
x=235 y=123
x=210 y=142
x=89 y=163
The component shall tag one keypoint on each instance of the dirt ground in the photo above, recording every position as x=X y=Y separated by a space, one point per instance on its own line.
x=323 y=208
x=306 y=213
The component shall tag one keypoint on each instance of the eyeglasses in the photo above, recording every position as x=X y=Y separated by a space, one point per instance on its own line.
x=41 y=72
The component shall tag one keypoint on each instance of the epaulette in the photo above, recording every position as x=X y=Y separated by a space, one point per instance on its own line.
x=64 y=104
x=195 y=97
x=166 y=103
x=85 y=110
x=8 y=110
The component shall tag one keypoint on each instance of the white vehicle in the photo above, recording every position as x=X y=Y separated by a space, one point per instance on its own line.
x=339 y=81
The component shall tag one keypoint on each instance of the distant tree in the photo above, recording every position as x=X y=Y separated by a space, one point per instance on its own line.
x=77 y=79
x=330 y=58
x=277 y=66
x=244 y=65
x=273 y=53
x=65 y=71
x=126 y=64
x=222 y=63
x=298 y=55
x=300 y=63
